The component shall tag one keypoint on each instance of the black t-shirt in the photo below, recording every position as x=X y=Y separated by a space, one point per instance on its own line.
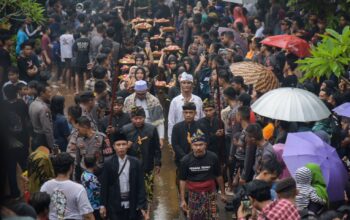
x=198 y=169
x=25 y=63
x=18 y=118
x=82 y=47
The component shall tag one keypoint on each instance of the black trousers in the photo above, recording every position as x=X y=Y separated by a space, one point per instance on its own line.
x=123 y=215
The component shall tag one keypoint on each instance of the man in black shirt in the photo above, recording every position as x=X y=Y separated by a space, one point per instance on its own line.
x=18 y=126
x=210 y=126
x=183 y=131
x=119 y=119
x=199 y=173
x=81 y=49
x=28 y=63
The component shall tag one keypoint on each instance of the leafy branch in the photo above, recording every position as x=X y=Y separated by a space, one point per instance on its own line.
x=12 y=9
x=331 y=56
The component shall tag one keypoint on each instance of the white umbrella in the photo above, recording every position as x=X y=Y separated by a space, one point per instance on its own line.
x=291 y=104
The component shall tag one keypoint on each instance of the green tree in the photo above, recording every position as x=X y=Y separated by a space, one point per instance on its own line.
x=14 y=9
x=330 y=56
x=326 y=8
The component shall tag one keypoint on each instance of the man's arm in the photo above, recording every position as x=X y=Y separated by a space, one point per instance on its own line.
x=104 y=191
x=182 y=190
x=202 y=60
x=157 y=151
x=171 y=119
x=84 y=206
x=183 y=178
x=200 y=113
x=249 y=161
x=175 y=142
x=141 y=195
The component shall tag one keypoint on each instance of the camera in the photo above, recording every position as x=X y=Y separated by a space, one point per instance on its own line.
x=240 y=197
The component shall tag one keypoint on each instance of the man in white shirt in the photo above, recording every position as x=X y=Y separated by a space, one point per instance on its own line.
x=175 y=110
x=66 y=44
x=68 y=199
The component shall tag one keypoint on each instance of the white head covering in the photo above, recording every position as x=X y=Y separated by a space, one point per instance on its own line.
x=140 y=86
x=186 y=77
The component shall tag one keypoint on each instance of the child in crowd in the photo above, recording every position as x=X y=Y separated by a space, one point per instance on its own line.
x=91 y=184
x=23 y=92
x=32 y=91
x=307 y=194
x=13 y=76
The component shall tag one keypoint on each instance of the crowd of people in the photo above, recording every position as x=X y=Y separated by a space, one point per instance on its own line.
x=149 y=76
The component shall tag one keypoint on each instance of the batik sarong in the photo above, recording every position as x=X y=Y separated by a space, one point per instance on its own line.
x=202 y=200
x=202 y=205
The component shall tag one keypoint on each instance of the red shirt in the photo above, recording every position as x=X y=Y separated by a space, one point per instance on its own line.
x=45 y=45
x=280 y=209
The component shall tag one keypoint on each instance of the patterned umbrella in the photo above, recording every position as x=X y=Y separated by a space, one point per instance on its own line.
x=262 y=79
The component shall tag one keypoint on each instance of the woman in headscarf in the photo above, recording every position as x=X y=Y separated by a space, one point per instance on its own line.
x=238 y=16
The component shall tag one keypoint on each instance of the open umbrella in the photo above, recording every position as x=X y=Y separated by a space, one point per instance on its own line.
x=343 y=109
x=262 y=79
x=305 y=147
x=291 y=43
x=291 y=104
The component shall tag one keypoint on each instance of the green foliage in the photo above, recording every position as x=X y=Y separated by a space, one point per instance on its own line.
x=13 y=9
x=330 y=56
x=326 y=8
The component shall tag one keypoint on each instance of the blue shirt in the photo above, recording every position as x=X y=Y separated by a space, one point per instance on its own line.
x=61 y=131
x=21 y=37
x=93 y=188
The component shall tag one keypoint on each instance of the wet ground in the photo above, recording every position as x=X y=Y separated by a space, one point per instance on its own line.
x=166 y=202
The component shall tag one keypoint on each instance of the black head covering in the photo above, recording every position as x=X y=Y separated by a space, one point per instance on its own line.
x=137 y=111
x=120 y=137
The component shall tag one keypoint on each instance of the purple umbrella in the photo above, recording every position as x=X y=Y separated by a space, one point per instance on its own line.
x=305 y=147
x=343 y=109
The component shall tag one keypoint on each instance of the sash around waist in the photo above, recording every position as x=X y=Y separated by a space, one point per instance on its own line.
x=203 y=186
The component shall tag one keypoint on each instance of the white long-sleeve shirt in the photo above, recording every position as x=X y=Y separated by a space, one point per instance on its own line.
x=175 y=111
x=124 y=183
